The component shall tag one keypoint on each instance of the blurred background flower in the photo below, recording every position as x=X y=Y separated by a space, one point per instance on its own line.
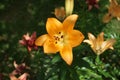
x=29 y=41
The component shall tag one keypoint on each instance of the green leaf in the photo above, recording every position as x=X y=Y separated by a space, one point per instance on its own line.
x=63 y=75
x=90 y=61
x=55 y=59
x=85 y=73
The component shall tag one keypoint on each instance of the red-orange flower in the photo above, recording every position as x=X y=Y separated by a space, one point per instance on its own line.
x=92 y=3
x=19 y=68
x=61 y=37
x=22 y=77
x=29 y=41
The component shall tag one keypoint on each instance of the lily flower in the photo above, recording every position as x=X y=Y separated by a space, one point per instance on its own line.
x=60 y=13
x=92 y=3
x=98 y=44
x=113 y=11
x=22 y=77
x=19 y=68
x=29 y=41
x=61 y=37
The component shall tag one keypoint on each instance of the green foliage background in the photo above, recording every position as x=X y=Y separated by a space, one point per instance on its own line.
x=17 y=17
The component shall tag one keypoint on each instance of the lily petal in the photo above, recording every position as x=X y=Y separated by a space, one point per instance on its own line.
x=118 y=18
x=107 y=17
x=50 y=47
x=12 y=77
x=23 y=76
x=93 y=41
x=107 y=44
x=111 y=47
x=92 y=38
x=40 y=40
x=115 y=11
x=91 y=44
x=75 y=38
x=33 y=36
x=53 y=26
x=99 y=40
x=69 y=22
x=15 y=64
x=66 y=54
x=88 y=41
x=113 y=3
x=29 y=48
x=26 y=36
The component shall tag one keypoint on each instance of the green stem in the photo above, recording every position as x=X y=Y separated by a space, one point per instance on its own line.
x=97 y=60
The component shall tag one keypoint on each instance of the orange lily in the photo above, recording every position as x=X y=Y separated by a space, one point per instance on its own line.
x=61 y=37
x=22 y=77
x=113 y=11
x=98 y=44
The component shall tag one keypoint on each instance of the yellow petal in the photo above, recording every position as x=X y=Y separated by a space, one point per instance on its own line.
x=40 y=40
x=92 y=38
x=66 y=54
x=69 y=22
x=92 y=41
x=111 y=47
x=118 y=18
x=107 y=44
x=53 y=26
x=75 y=38
x=50 y=47
x=92 y=45
x=88 y=41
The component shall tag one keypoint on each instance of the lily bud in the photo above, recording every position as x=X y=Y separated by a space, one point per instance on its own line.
x=69 y=4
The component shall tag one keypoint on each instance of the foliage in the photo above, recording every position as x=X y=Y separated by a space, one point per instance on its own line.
x=17 y=17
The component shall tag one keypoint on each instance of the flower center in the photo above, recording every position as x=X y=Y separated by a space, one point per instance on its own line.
x=59 y=38
x=99 y=50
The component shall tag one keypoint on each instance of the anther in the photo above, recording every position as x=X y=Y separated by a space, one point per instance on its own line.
x=59 y=32
x=55 y=42
x=62 y=36
x=110 y=15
